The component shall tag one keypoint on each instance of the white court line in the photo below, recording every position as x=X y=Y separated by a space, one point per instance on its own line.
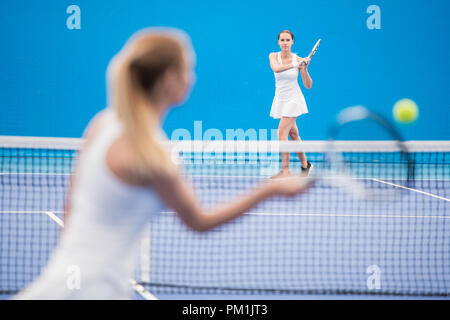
x=262 y=177
x=336 y=215
x=282 y=214
x=350 y=215
x=265 y=176
x=142 y=291
x=55 y=218
x=411 y=189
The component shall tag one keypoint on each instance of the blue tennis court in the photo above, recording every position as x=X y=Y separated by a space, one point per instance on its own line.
x=325 y=244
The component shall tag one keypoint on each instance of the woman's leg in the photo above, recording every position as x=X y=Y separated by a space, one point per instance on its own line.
x=306 y=166
x=293 y=133
x=284 y=127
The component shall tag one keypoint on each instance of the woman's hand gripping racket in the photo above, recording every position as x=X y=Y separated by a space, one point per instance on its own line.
x=313 y=52
x=380 y=174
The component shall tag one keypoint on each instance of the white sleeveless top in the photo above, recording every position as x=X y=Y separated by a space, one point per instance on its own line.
x=289 y=100
x=103 y=230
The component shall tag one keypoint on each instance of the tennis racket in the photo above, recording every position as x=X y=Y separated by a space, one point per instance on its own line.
x=384 y=173
x=313 y=51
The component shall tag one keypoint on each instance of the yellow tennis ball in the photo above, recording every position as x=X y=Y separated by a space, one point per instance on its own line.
x=405 y=111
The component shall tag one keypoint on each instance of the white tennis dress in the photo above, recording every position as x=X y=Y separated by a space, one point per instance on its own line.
x=103 y=231
x=289 y=100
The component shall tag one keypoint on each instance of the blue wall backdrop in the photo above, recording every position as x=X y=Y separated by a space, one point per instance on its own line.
x=52 y=78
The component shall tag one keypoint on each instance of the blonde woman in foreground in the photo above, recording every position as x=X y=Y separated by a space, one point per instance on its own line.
x=124 y=175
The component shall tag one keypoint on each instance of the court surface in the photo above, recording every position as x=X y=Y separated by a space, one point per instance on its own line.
x=321 y=245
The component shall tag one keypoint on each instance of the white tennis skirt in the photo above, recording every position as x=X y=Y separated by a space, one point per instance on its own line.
x=289 y=108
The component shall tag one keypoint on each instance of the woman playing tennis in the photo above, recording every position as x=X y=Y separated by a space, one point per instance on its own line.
x=289 y=102
x=125 y=175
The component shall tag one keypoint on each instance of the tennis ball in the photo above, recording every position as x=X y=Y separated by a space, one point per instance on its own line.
x=405 y=111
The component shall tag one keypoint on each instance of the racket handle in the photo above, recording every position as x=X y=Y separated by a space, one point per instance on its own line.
x=303 y=63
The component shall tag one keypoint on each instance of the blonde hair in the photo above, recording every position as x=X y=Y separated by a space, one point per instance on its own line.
x=133 y=74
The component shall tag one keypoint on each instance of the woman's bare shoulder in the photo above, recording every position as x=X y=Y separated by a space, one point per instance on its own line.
x=94 y=126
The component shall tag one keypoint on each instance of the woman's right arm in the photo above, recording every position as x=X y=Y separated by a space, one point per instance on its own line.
x=276 y=67
x=177 y=194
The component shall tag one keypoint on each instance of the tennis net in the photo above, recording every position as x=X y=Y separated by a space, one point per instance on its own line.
x=323 y=242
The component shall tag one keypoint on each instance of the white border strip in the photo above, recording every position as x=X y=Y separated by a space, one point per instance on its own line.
x=35 y=174
x=41 y=142
x=31 y=212
x=307 y=146
x=244 y=146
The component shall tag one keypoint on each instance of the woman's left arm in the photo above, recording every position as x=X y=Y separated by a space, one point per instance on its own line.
x=306 y=78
